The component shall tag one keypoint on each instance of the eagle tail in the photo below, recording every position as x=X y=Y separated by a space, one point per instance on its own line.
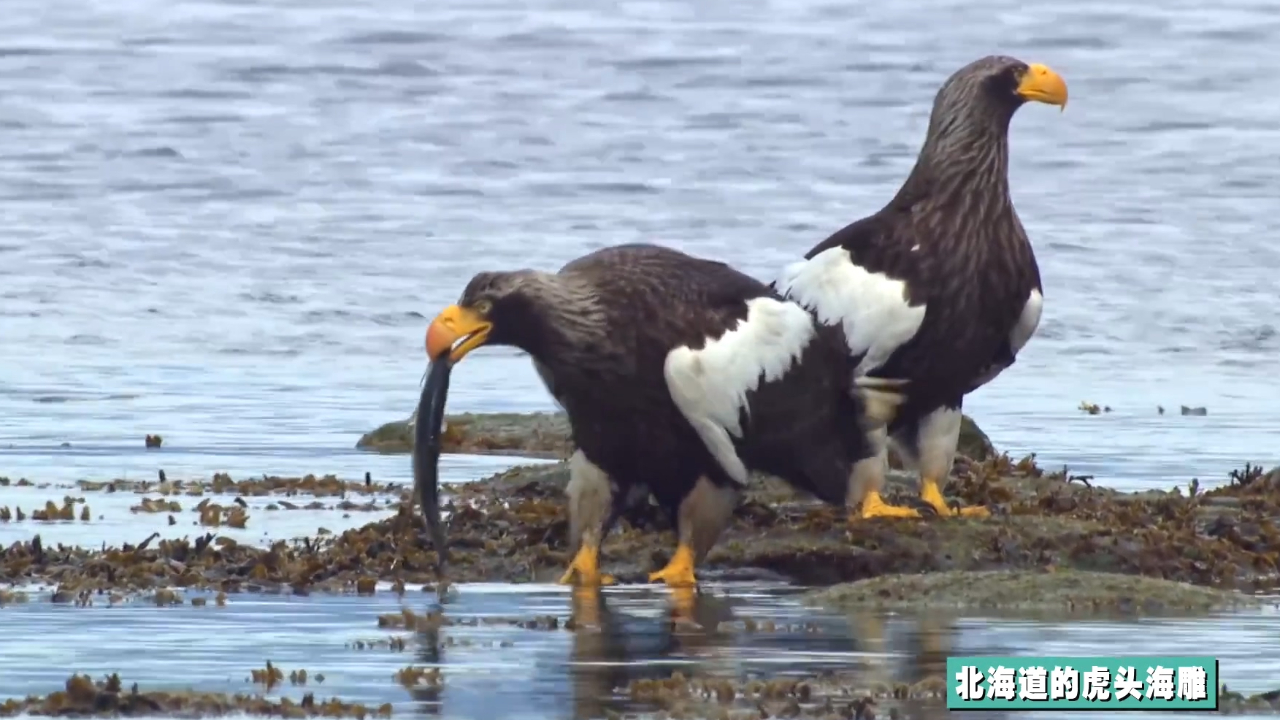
x=881 y=398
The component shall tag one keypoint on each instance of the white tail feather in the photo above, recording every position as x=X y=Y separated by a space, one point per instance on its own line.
x=880 y=399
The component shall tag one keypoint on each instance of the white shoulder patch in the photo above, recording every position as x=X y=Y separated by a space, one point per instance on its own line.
x=1028 y=321
x=871 y=307
x=710 y=385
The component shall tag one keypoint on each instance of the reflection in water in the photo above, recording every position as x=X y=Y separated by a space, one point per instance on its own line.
x=923 y=652
x=598 y=657
x=580 y=666
x=702 y=635
x=611 y=649
x=430 y=652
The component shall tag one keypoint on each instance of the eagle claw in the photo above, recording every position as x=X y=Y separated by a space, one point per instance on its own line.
x=924 y=507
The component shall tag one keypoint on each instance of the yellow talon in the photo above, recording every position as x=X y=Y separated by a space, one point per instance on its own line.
x=585 y=569
x=678 y=572
x=930 y=493
x=874 y=506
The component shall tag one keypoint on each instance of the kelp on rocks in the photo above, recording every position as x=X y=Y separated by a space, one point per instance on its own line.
x=512 y=527
x=82 y=697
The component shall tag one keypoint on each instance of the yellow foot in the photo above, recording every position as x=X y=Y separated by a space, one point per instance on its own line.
x=930 y=493
x=585 y=569
x=678 y=572
x=874 y=506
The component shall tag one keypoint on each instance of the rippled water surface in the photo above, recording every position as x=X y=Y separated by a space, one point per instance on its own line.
x=227 y=222
x=495 y=669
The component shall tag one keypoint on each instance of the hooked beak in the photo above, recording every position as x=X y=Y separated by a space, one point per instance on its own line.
x=456 y=331
x=1041 y=84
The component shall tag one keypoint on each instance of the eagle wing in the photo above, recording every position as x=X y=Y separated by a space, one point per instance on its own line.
x=860 y=279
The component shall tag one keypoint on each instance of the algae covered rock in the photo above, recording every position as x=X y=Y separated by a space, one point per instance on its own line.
x=525 y=434
x=1061 y=591
x=547 y=435
x=974 y=443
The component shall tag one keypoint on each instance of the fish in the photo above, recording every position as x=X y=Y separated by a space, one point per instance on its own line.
x=426 y=455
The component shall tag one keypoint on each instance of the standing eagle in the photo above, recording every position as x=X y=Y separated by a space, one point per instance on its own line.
x=940 y=287
x=678 y=374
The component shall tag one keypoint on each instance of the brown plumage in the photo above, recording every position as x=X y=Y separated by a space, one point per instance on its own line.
x=678 y=374
x=941 y=285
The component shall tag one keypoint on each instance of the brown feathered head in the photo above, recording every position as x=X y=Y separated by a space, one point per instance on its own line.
x=994 y=87
x=526 y=309
x=969 y=125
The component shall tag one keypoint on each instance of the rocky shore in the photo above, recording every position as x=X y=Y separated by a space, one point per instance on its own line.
x=512 y=527
x=1054 y=544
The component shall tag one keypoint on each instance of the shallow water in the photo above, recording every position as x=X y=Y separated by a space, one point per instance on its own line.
x=227 y=221
x=491 y=669
x=545 y=673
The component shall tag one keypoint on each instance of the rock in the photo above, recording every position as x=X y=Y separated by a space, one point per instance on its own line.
x=547 y=435
x=974 y=443
x=1063 y=591
x=541 y=435
x=1061 y=541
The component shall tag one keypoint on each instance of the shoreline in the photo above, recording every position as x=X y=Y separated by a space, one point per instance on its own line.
x=511 y=527
x=1055 y=549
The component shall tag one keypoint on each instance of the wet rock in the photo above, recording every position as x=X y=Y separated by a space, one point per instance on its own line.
x=974 y=444
x=831 y=695
x=1055 y=591
x=1234 y=703
x=528 y=434
x=82 y=697
x=223 y=484
x=547 y=435
x=512 y=528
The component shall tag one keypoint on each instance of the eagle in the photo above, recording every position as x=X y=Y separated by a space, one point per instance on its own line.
x=940 y=287
x=678 y=374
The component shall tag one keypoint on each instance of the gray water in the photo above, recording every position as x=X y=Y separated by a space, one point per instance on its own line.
x=228 y=221
x=495 y=670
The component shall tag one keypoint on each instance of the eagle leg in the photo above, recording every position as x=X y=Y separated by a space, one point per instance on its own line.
x=703 y=515
x=867 y=479
x=930 y=446
x=591 y=498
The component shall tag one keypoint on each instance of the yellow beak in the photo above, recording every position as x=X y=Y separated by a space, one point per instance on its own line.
x=1041 y=84
x=457 y=331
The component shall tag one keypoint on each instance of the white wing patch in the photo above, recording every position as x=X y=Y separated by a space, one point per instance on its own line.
x=1028 y=321
x=871 y=307
x=710 y=385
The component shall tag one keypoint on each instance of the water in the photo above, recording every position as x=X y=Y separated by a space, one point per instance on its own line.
x=228 y=221
x=551 y=673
